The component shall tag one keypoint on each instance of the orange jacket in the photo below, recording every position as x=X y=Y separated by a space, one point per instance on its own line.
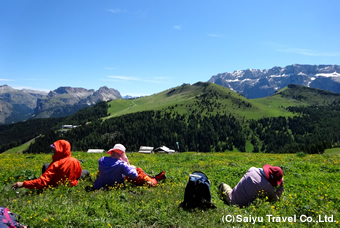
x=143 y=179
x=63 y=168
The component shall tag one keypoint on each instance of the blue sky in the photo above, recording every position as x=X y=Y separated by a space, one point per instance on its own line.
x=145 y=47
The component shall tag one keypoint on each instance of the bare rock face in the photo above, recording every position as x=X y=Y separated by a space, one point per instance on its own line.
x=102 y=94
x=261 y=83
x=17 y=105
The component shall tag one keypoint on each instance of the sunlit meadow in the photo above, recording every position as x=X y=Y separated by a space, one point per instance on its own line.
x=311 y=192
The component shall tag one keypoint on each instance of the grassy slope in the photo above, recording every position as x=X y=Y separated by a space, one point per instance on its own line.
x=311 y=189
x=184 y=100
x=154 y=102
x=299 y=95
x=19 y=149
x=185 y=95
x=333 y=151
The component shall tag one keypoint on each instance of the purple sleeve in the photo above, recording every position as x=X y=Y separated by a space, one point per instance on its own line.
x=130 y=171
x=279 y=191
x=274 y=195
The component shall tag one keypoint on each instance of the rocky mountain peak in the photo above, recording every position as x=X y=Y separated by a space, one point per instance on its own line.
x=103 y=94
x=17 y=105
x=261 y=83
x=6 y=89
x=77 y=92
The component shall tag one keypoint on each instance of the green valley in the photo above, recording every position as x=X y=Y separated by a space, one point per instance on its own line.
x=201 y=117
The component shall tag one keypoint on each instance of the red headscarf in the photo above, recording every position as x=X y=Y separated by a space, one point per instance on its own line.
x=274 y=174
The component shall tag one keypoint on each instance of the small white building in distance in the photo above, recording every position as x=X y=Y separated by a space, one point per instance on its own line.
x=95 y=151
x=145 y=149
x=68 y=126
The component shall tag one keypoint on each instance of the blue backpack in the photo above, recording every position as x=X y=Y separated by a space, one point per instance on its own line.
x=9 y=219
x=197 y=192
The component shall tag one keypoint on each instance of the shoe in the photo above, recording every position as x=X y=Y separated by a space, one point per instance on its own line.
x=160 y=176
x=223 y=191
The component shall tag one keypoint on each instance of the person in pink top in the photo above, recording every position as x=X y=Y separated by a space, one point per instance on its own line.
x=267 y=180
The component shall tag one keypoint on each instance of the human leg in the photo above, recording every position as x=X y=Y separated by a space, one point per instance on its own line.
x=85 y=174
x=45 y=166
x=225 y=191
x=161 y=176
x=143 y=179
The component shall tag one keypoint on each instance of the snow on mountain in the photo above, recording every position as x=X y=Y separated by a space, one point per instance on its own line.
x=254 y=83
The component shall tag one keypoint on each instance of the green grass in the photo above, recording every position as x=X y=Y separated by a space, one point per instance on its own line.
x=311 y=189
x=183 y=99
x=19 y=149
x=333 y=151
x=294 y=96
x=154 y=102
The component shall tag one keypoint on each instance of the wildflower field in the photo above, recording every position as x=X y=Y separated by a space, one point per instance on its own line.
x=311 y=196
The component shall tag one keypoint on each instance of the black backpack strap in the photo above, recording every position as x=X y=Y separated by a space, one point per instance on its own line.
x=18 y=217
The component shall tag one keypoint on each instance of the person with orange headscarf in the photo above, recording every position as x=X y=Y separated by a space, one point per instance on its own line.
x=64 y=168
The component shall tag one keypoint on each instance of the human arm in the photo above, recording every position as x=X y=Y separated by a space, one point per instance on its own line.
x=275 y=194
x=130 y=171
x=43 y=180
x=280 y=189
x=17 y=185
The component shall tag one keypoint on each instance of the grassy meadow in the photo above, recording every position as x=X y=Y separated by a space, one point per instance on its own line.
x=311 y=192
x=183 y=99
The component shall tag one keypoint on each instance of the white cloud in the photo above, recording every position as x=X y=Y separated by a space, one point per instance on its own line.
x=128 y=78
x=307 y=52
x=301 y=51
x=31 y=88
x=109 y=68
x=140 y=14
x=155 y=80
x=5 y=80
x=178 y=27
x=116 y=10
x=214 y=35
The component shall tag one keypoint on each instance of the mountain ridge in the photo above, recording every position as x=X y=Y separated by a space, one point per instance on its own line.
x=203 y=116
x=255 y=83
x=18 y=105
x=187 y=98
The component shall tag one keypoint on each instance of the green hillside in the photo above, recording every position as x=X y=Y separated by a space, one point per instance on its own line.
x=296 y=95
x=186 y=99
x=183 y=99
x=207 y=117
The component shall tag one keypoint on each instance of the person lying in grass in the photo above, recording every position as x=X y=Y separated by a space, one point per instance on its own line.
x=64 y=168
x=255 y=181
x=113 y=169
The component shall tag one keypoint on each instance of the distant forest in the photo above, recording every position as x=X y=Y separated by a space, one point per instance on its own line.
x=315 y=129
x=13 y=135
